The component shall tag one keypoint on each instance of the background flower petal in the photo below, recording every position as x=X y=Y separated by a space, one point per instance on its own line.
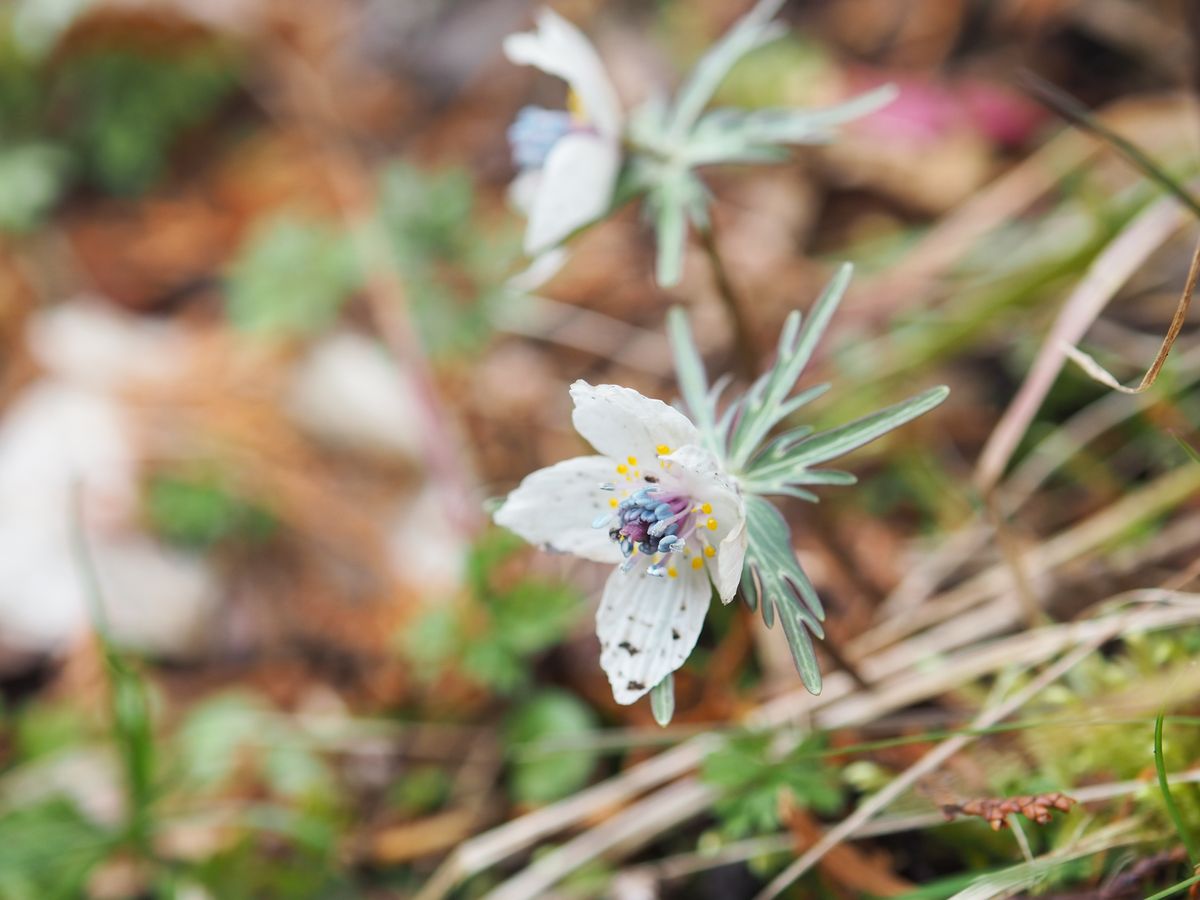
x=559 y=48
x=575 y=187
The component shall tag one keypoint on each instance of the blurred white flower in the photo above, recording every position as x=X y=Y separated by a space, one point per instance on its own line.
x=567 y=161
x=68 y=435
x=657 y=503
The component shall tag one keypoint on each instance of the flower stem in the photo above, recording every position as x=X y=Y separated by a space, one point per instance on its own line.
x=747 y=356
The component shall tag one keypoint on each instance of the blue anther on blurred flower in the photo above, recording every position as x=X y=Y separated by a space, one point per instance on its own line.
x=534 y=133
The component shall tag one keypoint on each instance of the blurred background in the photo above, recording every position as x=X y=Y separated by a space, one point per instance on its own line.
x=259 y=372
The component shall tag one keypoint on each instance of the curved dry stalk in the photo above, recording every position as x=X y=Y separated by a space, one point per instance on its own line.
x=1119 y=260
x=1102 y=375
x=921 y=580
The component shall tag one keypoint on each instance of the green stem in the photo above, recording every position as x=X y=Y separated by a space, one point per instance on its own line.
x=1075 y=112
x=1174 y=889
x=747 y=355
x=1185 y=834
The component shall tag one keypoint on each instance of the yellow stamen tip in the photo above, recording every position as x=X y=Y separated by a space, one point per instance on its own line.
x=711 y=524
x=697 y=562
x=622 y=469
x=632 y=460
x=706 y=508
x=613 y=502
x=672 y=573
x=663 y=449
x=710 y=552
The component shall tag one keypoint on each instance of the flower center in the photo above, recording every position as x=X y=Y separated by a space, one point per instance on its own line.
x=534 y=132
x=657 y=520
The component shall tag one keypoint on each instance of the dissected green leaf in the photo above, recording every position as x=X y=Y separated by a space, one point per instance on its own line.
x=764 y=406
x=751 y=777
x=125 y=109
x=790 y=468
x=774 y=581
x=761 y=135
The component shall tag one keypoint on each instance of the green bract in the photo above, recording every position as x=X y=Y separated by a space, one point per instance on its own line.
x=739 y=435
x=670 y=141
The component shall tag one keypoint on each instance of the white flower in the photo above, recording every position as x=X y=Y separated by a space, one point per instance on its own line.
x=657 y=503
x=568 y=161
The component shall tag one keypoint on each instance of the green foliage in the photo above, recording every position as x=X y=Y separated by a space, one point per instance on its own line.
x=126 y=109
x=544 y=776
x=107 y=118
x=751 y=780
x=420 y=790
x=225 y=732
x=202 y=513
x=251 y=870
x=32 y=176
x=454 y=270
x=291 y=278
x=502 y=623
x=40 y=729
x=48 y=850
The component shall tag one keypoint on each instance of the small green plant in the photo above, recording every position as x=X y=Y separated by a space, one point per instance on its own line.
x=541 y=776
x=752 y=782
x=454 y=270
x=291 y=278
x=502 y=624
x=200 y=512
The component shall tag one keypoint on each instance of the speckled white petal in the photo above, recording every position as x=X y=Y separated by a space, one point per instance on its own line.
x=574 y=187
x=648 y=626
x=559 y=48
x=700 y=474
x=619 y=422
x=555 y=507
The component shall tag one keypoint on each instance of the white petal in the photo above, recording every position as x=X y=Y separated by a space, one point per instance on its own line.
x=559 y=48
x=648 y=626
x=701 y=476
x=555 y=508
x=575 y=187
x=538 y=272
x=524 y=190
x=620 y=422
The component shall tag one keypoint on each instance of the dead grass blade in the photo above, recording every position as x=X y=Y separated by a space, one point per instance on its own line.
x=935 y=758
x=1102 y=375
x=840 y=705
x=1119 y=260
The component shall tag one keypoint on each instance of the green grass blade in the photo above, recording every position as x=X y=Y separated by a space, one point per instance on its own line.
x=1185 y=835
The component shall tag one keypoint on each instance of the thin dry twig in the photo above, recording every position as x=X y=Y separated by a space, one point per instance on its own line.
x=1120 y=259
x=1102 y=375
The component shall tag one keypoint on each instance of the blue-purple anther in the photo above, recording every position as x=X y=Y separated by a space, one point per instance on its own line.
x=649 y=520
x=534 y=133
